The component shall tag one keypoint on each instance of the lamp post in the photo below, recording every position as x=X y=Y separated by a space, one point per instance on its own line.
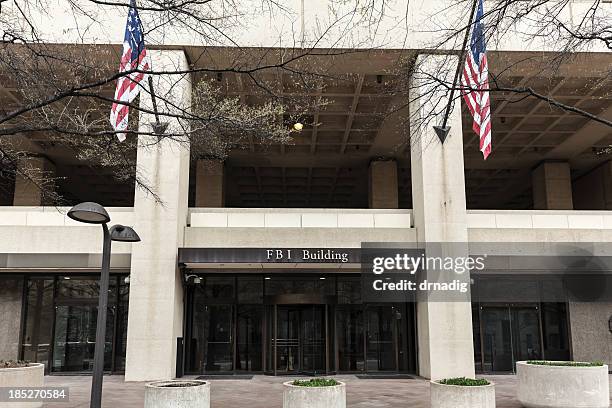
x=94 y=213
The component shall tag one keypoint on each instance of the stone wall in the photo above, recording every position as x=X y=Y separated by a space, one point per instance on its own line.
x=591 y=336
x=11 y=291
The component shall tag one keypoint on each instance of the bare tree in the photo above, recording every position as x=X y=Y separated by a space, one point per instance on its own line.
x=566 y=28
x=64 y=91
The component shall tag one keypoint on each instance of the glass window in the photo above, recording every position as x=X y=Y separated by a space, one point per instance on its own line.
x=381 y=321
x=219 y=288
x=75 y=338
x=497 y=339
x=350 y=331
x=215 y=325
x=250 y=289
x=555 y=332
x=349 y=290
x=283 y=285
x=60 y=322
x=476 y=337
x=121 y=325
x=69 y=287
x=38 y=330
x=249 y=334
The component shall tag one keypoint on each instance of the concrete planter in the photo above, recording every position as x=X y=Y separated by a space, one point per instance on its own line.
x=295 y=396
x=459 y=396
x=543 y=386
x=177 y=394
x=31 y=376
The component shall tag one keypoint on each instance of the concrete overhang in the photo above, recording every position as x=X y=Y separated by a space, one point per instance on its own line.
x=65 y=263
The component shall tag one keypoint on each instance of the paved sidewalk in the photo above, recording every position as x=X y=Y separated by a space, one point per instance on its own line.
x=265 y=392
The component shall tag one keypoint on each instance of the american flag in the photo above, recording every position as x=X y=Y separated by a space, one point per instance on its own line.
x=134 y=57
x=475 y=84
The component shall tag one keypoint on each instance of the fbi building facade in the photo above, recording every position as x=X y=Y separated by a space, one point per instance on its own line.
x=252 y=263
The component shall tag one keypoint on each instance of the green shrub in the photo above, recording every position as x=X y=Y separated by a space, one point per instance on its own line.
x=316 y=382
x=465 y=382
x=14 y=363
x=566 y=363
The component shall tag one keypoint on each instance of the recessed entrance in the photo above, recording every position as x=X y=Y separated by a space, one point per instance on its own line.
x=299 y=324
x=507 y=333
x=298 y=342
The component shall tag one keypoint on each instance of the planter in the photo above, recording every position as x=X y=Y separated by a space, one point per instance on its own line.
x=460 y=396
x=295 y=396
x=31 y=376
x=543 y=386
x=177 y=394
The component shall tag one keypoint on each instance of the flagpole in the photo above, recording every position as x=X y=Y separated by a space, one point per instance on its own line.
x=159 y=128
x=442 y=131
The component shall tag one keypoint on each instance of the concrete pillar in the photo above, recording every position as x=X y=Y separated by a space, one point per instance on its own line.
x=156 y=296
x=552 y=186
x=209 y=183
x=593 y=191
x=33 y=190
x=383 y=192
x=438 y=195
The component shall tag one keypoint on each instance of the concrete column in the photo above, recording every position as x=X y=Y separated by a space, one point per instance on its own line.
x=593 y=191
x=383 y=184
x=156 y=296
x=438 y=195
x=30 y=191
x=209 y=183
x=552 y=186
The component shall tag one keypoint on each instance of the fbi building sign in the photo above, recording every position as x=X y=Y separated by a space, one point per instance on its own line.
x=269 y=255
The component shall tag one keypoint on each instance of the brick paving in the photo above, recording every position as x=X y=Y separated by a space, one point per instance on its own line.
x=265 y=392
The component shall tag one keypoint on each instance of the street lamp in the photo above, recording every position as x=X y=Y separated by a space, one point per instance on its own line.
x=94 y=213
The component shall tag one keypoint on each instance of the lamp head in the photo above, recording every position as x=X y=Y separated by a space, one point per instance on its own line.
x=89 y=213
x=121 y=233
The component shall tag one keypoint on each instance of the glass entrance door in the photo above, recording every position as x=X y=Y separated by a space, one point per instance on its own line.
x=509 y=334
x=312 y=339
x=287 y=341
x=381 y=338
x=526 y=332
x=349 y=338
x=299 y=345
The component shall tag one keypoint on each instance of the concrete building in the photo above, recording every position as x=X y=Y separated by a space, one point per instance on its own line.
x=205 y=295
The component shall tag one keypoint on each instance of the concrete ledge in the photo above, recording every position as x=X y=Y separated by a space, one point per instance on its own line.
x=456 y=396
x=540 y=219
x=542 y=386
x=286 y=237
x=298 y=218
x=56 y=216
x=314 y=397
